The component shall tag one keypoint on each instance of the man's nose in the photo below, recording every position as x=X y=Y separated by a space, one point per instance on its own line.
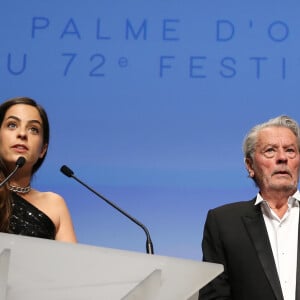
x=281 y=155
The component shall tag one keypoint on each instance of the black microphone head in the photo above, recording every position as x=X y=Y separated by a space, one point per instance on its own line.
x=20 y=161
x=66 y=171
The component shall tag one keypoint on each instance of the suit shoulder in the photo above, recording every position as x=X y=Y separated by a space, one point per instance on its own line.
x=234 y=207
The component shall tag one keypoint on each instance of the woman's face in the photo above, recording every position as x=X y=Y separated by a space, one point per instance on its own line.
x=21 y=134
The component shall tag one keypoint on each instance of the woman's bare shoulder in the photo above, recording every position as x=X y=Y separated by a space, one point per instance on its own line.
x=47 y=196
x=47 y=201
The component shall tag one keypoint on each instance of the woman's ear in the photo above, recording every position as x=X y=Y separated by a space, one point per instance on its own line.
x=43 y=150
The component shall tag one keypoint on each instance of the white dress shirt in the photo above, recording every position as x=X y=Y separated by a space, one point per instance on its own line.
x=283 y=236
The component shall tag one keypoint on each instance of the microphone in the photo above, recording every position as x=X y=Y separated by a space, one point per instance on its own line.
x=19 y=164
x=149 y=246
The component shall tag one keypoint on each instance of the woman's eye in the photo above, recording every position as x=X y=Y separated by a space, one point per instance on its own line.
x=34 y=130
x=11 y=125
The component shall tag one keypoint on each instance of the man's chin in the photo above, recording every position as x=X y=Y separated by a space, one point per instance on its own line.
x=284 y=187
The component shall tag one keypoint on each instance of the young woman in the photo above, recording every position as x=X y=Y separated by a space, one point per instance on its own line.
x=24 y=131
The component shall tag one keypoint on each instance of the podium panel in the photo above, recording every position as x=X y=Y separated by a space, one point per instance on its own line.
x=33 y=268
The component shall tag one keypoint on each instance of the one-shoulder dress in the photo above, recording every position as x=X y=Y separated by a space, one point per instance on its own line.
x=27 y=219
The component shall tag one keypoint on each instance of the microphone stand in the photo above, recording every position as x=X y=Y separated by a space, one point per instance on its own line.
x=149 y=246
x=19 y=164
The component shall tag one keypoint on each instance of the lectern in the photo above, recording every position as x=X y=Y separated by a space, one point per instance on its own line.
x=35 y=269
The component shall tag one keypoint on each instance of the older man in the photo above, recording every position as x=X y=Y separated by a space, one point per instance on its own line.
x=257 y=240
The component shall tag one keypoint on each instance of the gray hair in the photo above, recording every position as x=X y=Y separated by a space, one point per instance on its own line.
x=250 y=140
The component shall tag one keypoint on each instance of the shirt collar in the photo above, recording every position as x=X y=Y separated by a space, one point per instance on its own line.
x=295 y=197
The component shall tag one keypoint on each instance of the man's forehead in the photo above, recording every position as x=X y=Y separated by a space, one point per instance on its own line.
x=276 y=135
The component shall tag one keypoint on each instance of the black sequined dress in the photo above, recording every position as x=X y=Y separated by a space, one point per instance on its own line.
x=27 y=219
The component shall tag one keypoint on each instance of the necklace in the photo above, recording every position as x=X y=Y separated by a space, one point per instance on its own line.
x=18 y=189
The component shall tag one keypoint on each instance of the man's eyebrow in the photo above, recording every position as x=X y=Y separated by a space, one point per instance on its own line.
x=277 y=146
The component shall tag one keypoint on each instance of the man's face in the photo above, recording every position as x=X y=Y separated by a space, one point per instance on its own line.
x=276 y=159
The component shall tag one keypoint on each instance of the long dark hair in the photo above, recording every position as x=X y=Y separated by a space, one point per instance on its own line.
x=5 y=195
x=5 y=200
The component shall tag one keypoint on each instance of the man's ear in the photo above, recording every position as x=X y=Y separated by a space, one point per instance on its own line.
x=249 y=166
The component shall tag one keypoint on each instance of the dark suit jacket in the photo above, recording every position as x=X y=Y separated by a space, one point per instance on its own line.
x=235 y=235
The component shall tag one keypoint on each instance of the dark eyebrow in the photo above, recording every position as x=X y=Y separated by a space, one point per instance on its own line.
x=13 y=117
x=18 y=119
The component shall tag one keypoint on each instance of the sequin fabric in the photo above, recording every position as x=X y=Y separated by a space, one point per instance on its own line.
x=27 y=219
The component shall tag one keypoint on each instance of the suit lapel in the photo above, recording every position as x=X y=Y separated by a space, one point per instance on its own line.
x=258 y=233
x=298 y=264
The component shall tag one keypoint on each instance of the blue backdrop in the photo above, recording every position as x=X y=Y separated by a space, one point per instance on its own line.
x=149 y=102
